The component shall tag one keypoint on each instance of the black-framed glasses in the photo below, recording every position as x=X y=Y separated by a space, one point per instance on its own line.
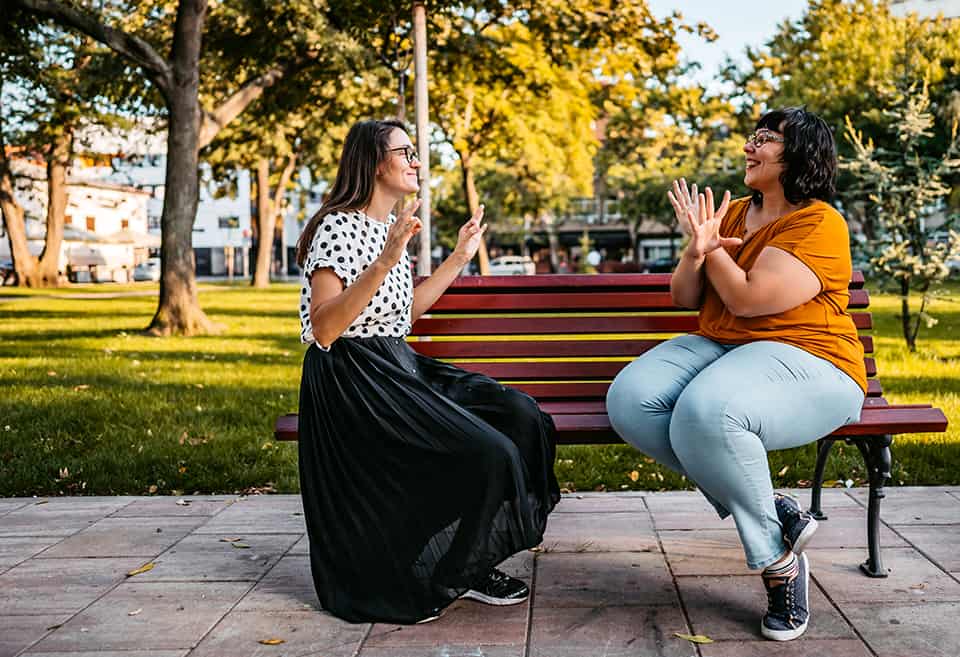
x=762 y=136
x=409 y=153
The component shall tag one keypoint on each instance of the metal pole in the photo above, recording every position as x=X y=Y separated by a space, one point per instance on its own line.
x=423 y=130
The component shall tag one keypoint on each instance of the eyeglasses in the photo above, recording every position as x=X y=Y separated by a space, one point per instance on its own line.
x=409 y=153
x=762 y=136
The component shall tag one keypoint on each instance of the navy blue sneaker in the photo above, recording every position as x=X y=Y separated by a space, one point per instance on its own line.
x=798 y=525
x=788 y=610
x=499 y=589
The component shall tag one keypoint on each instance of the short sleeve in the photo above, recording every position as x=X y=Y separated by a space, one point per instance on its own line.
x=821 y=241
x=332 y=248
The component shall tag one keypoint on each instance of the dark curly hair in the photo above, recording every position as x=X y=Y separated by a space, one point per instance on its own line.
x=809 y=153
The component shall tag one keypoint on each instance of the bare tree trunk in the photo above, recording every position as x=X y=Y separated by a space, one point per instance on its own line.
x=61 y=151
x=908 y=335
x=263 y=226
x=179 y=310
x=473 y=203
x=24 y=264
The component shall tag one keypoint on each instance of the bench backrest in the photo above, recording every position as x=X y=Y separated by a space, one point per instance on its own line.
x=564 y=337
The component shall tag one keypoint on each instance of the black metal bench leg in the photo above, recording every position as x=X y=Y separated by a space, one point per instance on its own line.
x=823 y=451
x=876 y=454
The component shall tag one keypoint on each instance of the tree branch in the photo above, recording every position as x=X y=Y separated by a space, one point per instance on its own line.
x=128 y=45
x=233 y=106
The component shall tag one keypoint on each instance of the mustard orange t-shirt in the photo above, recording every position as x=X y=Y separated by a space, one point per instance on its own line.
x=816 y=235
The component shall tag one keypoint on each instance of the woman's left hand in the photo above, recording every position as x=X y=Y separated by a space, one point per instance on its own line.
x=470 y=236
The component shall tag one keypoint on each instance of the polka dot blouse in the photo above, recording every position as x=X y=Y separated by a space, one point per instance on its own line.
x=347 y=243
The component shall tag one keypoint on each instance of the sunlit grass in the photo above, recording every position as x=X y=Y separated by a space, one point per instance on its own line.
x=88 y=405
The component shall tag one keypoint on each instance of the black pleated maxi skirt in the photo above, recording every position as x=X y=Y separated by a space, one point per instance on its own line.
x=417 y=477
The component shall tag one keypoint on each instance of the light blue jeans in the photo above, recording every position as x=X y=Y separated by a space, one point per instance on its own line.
x=712 y=411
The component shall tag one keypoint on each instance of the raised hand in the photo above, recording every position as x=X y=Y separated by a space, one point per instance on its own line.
x=470 y=235
x=405 y=227
x=705 y=226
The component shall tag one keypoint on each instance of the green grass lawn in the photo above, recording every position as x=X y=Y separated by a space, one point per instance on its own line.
x=90 y=406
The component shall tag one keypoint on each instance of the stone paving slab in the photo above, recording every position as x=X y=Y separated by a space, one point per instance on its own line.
x=912 y=579
x=302 y=632
x=59 y=586
x=603 y=579
x=20 y=632
x=124 y=537
x=601 y=532
x=601 y=583
x=205 y=557
x=919 y=630
x=15 y=549
x=155 y=507
x=608 y=631
x=731 y=607
x=168 y=616
x=60 y=517
x=916 y=506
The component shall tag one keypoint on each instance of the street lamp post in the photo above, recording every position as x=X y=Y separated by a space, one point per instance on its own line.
x=423 y=134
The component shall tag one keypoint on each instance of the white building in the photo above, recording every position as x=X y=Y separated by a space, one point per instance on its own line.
x=105 y=224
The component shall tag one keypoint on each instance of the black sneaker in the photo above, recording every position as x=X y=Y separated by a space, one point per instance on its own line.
x=498 y=588
x=798 y=525
x=788 y=611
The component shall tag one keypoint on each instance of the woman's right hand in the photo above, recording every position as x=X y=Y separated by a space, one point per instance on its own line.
x=405 y=227
x=700 y=220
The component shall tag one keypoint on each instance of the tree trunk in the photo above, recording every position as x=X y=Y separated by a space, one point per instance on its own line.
x=263 y=227
x=179 y=310
x=473 y=202
x=24 y=264
x=61 y=151
x=908 y=335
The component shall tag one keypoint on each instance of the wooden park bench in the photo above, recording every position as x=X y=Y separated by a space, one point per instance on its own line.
x=589 y=327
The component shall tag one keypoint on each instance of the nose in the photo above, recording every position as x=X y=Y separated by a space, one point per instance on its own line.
x=749 y=148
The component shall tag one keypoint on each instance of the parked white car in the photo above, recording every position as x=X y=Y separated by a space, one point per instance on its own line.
x=148 y=270
x=512 y=266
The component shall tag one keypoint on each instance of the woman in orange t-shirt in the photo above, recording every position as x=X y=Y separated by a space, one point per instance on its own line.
x=776 y=362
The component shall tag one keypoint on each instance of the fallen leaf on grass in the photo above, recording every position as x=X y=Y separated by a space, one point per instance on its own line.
x=142 y=569
x=693 y=638
x=271 y=642
x=783 y=470
x=634 y=475
x=80 y=387
x=51 y=373
x=134 y=612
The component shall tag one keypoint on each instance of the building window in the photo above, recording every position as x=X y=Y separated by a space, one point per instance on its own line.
x=92 y=224
x=67 y=220
x=124 y=224
x=229 y=222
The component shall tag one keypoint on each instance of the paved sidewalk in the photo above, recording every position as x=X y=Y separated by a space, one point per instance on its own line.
x=617 y=575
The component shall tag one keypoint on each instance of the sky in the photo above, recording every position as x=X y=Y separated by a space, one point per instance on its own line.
x=738 y=24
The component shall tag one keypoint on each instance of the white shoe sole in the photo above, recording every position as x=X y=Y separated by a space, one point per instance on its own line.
x=790 y=635
x=489 y=600
x=805 y=536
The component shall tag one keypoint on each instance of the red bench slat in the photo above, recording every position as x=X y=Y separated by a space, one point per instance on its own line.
x=540 y=282
x=568 y=325
x=545 y=371
x=540 y=301
x=547 y=348
x=587 y=422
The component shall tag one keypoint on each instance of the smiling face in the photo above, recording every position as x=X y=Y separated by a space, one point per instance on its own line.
x=764 y=151
x=396 y=173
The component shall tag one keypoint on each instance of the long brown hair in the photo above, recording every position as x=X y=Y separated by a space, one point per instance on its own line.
x=363 y=150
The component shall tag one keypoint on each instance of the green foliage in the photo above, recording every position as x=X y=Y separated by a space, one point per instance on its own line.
x=902 y=188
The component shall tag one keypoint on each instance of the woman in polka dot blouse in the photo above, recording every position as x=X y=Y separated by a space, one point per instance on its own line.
x=418 y=478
